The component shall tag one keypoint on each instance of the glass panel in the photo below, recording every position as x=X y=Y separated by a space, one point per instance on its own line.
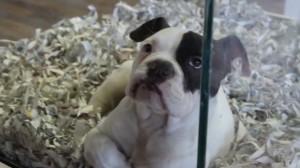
x=265 y=104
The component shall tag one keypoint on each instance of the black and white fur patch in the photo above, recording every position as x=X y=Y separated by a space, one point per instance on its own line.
x=188 y=49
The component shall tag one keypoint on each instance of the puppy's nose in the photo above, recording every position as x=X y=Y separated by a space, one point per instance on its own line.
x=160 y=70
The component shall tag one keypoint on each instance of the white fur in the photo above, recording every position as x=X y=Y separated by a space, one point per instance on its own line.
x=142 y=133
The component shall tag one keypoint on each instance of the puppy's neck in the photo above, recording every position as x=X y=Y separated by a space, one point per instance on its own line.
x=146 y=112
x=153 y=119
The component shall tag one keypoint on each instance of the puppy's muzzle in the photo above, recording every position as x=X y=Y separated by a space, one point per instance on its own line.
x=159 y=71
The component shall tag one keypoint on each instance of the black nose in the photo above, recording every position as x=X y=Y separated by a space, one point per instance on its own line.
x=159 y=71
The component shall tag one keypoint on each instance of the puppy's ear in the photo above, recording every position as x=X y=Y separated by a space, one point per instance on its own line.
x=148 y=29
x=225 y=51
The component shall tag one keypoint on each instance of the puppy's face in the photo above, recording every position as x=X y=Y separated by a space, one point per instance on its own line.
x=166 y=71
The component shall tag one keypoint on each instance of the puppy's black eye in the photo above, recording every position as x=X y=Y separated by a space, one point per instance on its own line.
x=195 y=62
x=147 y=48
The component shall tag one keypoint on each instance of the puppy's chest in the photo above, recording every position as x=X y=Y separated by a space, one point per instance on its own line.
x=157 y=147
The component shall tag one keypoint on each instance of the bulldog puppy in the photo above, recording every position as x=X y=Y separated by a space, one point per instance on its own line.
x=156 y=124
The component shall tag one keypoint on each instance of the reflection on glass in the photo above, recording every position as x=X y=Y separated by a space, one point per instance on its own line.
x=265 y=105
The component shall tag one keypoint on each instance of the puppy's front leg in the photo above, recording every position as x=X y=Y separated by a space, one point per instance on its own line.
x=101 y=152
x=111 y=143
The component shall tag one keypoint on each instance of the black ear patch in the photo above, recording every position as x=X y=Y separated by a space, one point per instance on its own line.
x=225 y=51
x=148 y=29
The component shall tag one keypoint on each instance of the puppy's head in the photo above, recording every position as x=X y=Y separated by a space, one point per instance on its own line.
x=166 y=71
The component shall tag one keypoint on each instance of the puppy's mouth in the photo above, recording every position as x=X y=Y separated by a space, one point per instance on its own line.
x=148 y=85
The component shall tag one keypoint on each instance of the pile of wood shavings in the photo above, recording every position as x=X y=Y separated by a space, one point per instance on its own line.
x=45 y=85
x=47 y=81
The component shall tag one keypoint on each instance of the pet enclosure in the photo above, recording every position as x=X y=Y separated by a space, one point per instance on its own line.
x=47 y=78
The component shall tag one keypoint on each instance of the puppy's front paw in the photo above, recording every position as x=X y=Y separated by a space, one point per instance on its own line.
x=101 y=152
